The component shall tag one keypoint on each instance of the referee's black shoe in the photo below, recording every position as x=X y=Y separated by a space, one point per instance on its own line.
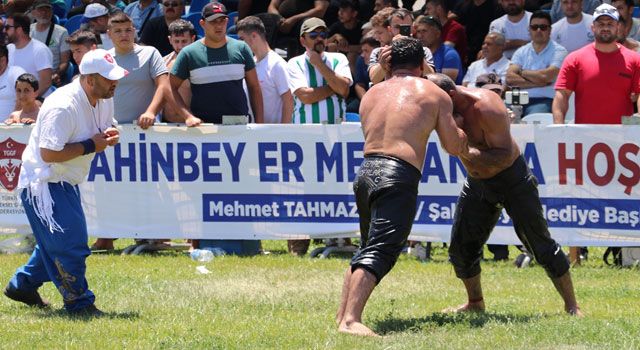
x=30 y=298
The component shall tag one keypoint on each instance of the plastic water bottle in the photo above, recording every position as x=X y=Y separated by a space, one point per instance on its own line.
x=202 y=255
x=217 y=251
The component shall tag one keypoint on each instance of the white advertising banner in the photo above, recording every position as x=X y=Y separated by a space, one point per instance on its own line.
x=294 y=181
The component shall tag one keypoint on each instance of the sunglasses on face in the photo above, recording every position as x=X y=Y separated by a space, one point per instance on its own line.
x=170 y=4
x=315 y=35
x=542 y=27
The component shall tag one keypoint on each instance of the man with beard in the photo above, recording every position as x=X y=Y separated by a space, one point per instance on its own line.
x=599 y=72
x=320 y=82
x=97 y=17
x=498 y=177
x=73 y=124
x=31 y=55
x=574 y=30
x=307 y=73
x=156 y=32
x=514 y=26
x=53 y=36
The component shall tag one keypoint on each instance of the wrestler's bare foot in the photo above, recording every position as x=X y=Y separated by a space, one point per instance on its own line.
x=477 y=306
x=574 y=311
x=357 y=328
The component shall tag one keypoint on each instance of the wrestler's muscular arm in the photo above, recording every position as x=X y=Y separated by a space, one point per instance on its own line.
x=452 y=138
x=495 y=124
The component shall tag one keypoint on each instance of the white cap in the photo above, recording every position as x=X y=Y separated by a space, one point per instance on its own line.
x=95 y=10
x=606 y=10
x=100 y=61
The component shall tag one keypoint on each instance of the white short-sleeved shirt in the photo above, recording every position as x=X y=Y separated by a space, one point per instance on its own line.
x=511 y=30
x=526 y=57
x=107 y=44
x=573 y=36
x=373 y=58
x=32 y=58
x=274 y=81
x=8 y=90
x=480 y=67
x=135 y=91
x=303 y=74
x=66 y=116
x=634 y=33
x=57 y=44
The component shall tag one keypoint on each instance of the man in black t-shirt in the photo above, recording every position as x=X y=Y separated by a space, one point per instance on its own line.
x=345 y=35
x=476 y=16
x=156 y=32
x=348 y=30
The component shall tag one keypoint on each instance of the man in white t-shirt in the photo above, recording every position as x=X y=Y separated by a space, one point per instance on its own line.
x=33 y=56
x=514 y=26
x=73 y=124
x=53 y=36
x=493 y=61
x=272 y=72
x=8 y=76
x=574 y=30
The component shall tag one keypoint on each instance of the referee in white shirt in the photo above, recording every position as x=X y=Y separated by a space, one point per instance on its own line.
x=75 y=122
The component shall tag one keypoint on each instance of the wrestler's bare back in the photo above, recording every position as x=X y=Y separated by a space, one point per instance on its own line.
x=398 y=115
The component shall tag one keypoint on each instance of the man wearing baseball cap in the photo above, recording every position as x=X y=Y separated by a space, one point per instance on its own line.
x=97 y=18
x=315 y=102
x=73 y=124
x=216 y=66
x=53 y=36
x=604 y=76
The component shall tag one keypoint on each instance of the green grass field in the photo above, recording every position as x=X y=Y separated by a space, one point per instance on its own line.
x=278 y=301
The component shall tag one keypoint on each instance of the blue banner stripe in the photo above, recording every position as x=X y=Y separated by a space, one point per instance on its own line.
x=434 y=210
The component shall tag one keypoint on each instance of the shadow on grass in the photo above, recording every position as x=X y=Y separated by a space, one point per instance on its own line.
x=106 y=252
x=111 y=315
x=439 y=319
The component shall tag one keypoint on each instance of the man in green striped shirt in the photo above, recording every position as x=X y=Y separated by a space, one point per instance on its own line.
x=319 y=80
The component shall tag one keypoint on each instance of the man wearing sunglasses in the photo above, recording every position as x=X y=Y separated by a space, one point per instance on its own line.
x=142 y=11
x=320 y=84
x=156 y=32
x=319 y=80
x=534 y=67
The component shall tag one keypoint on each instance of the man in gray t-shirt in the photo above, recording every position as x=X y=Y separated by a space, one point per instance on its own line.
x=55 y=41
x=139 y=95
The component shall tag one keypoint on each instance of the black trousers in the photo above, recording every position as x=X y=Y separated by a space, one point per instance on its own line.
x=386 y=190
x=479 y=206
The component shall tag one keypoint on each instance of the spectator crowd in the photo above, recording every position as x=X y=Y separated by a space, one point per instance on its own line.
x=312 y=61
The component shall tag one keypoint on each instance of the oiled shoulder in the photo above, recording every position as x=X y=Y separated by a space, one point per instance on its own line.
x=491 y=107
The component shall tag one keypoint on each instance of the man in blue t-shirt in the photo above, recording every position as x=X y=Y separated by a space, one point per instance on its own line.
x=446 y=58
x=216 y=66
